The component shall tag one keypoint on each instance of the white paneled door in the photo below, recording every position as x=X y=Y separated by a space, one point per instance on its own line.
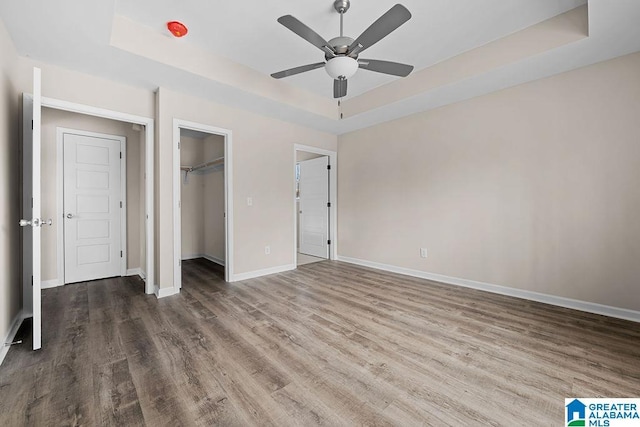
x=314 y=207
x=31 y=222
x=92 y=207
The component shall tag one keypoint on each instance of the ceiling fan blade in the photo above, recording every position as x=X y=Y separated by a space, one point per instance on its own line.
x=339 y=88
x=306 y=33
x=386 y=67
x=395 y=17
x=297 y=70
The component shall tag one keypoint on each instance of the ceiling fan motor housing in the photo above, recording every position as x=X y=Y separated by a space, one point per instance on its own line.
x=340 y=44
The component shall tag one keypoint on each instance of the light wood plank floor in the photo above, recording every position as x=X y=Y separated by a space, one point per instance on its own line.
x=328 y=344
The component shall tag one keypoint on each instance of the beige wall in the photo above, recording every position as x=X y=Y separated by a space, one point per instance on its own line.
x=10 y=246
x=51 y=120
x=262 y=160
x=533 y=187
x=73 y=86
x=191 y=197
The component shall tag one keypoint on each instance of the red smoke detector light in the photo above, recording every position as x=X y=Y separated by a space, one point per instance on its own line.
x=178 y=29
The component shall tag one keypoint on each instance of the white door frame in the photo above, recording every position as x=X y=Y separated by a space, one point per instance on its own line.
x=60 y=131
x=148 y=123
x=228 y=198
x=333 y=199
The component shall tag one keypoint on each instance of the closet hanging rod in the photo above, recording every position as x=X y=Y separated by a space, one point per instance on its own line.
x=214 y=162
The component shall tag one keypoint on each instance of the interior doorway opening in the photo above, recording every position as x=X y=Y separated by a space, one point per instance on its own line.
x=109 y=155
x=202 y=194
x=315 y=203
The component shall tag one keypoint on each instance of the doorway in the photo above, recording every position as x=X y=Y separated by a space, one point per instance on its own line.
x=32 y=173
x=315 y=204
x=202 y=196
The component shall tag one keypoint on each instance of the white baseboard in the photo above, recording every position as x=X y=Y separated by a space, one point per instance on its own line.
x=264 y=272
x=214 y=259
x=205 y=256
x=54 y=283
x=165 y=292
x=13 y=329
x=589 y=307
x=136 y=272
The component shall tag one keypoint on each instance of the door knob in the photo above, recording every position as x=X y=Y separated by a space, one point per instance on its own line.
x=36 y=222
x=69 y=216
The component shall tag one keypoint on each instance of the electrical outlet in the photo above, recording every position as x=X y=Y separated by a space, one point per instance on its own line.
x=267 y=250
x=423 y=252
x=249 y=201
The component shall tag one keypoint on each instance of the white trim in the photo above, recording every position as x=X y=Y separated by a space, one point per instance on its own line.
x=53 y=283
x=228 y=196
x=589 y=307
x=135 y=272
x=263 y=272
x=213 y=259
x=165 y=292
x=11 y=334
x=60 y=132
x=148 y=123
x=333 y=198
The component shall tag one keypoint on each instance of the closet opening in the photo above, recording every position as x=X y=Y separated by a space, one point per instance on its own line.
x=201 y=221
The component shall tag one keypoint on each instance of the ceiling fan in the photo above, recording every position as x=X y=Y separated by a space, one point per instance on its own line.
x=341 y=53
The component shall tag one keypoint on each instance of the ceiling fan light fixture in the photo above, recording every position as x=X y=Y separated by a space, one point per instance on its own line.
x=341 y=67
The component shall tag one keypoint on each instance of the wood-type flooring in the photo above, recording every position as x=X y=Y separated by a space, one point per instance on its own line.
x=327 y=344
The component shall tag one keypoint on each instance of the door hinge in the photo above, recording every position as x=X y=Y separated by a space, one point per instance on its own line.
x=328 y=204
x=328 y=242
x=120 y=254
x=120 y=204
x=178 y=145
x=31 y=124
x=121 y=154
x=31 y=280
x=329 y=167
x=179 y=263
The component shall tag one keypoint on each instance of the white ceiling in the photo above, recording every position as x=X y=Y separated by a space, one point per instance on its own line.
x=76 y=34
x=247 y=31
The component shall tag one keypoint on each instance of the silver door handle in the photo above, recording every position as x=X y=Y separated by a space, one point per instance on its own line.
x=69 y=216
x=36 y=222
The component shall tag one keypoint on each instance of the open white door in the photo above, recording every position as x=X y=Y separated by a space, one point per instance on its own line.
x=31 y=221
x=314 y=207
